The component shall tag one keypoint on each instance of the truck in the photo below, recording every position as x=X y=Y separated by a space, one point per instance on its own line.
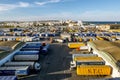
x=33 y=65
x=75 y=45
x=45 y=49
x=86 y=61
x=21 y=70
x=89 y=70
x=26 y=57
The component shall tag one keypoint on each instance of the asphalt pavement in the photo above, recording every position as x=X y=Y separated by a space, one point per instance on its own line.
x=56 y=64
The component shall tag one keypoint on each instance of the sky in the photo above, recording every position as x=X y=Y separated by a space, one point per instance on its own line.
x=86 y=10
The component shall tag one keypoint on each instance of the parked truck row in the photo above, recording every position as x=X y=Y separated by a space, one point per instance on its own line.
x=89 y=63
x=26 y=60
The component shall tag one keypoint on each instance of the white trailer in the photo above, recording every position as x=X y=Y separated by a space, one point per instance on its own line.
x=21 y=70
x=83 y=55
x=33 y=65
x=26 y=57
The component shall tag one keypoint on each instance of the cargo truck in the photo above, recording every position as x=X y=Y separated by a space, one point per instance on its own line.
x=33 y=65
x=88 y=60
x=87 y=70
x=45 y=49
x=21 y=70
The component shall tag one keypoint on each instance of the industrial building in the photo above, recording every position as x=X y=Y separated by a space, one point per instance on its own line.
x=109 y=51
x=109 y=27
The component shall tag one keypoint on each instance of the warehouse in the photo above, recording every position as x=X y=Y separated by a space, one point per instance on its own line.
x=109 y=51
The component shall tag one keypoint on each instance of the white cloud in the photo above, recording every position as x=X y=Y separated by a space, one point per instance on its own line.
x=100 y=15
x=23 y=4
x=4 y=7
x=47 y=2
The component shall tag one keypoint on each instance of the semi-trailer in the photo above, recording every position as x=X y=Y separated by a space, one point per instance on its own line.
x=27 y=53
x=30 y=49
x=101 y=70
x=32 y=46
x=75 y=45
x=21 y=70
x=83 y=55
x=87 y=58
x=33 y=65
x=33 y=43
x=26 y=57
x=86 y=61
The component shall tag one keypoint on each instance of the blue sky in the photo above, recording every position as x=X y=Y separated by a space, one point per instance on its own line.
x=89 y=10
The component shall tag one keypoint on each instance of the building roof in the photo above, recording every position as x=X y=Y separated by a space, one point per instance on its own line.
x=12 y=44
x=113 y=48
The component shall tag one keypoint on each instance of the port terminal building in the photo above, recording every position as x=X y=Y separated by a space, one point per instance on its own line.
x=110 y=52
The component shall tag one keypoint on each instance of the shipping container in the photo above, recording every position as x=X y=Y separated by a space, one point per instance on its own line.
x=94 y=70
x=83 y=48
x=83 y=55
x=27 y=52
x=26 y=57
x=79 y=59
x=101 y=62
x=75 y=45
x=73 y=64
x=80 y=39
x=99 y=38
x=33 y=44
x=59 y=40
x=22 y=70
x=33 y=65
x=30 y=49
x=87 y=58
x=8 y=78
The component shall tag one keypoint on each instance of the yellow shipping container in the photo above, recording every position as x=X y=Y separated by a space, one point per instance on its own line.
x=18 y=39
x=75 y=45
x=80 y=39
x=90 y=58
x=99 y=38
x=94 y=70
x=91 y=39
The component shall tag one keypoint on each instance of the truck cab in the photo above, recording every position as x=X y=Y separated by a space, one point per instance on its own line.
x=37 y=66
x=72 y=65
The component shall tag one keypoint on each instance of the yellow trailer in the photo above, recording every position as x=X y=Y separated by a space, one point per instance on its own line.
x=90 y=39
x=80 y=39
x=75 y=45
x=18 y=38
x=90 y=58
x=94 y=70
x=99 y=38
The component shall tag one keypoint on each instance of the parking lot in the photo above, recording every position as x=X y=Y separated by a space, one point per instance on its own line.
x=55 y=66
